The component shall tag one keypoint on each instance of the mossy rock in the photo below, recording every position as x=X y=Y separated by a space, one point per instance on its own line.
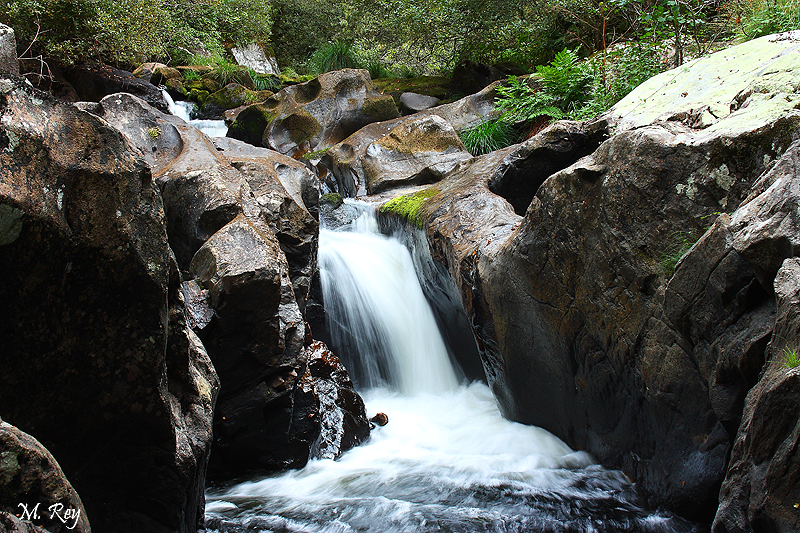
x=199 y=95
x=209 y=84
x=301 y=126
x=427 y=85
x=381 y=108
x=250 y=124
x=175 y=84
x=332 y=198
x=408 y=206
x=235 y=95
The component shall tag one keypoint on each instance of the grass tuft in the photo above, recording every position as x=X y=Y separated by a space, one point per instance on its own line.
x=488 y=136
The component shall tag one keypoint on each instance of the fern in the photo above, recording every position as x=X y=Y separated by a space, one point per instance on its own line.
x=562 y=92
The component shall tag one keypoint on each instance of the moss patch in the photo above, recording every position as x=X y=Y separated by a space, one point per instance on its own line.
x=409 y=205
x=381 y=108
x=335 y=199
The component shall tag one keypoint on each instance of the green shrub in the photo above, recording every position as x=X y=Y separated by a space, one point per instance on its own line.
x=755 y=18
x=332 y=56
x=488 y=137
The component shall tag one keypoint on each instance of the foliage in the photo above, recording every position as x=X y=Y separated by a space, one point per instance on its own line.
x=488 y=136
x=408 y=206
x=561 y=91
x=750 y=19
x=332 y=56
x=266 y=82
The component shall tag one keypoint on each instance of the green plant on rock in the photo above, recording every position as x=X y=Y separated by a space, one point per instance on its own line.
x=791 y=359
x=680 y=243
x=408 y=206
x=488 y=136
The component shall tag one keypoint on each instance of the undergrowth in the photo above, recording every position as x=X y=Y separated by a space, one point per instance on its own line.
x=488 y=136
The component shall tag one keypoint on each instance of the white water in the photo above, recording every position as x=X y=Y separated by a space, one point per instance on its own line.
x=447 y=460
x=183 y=109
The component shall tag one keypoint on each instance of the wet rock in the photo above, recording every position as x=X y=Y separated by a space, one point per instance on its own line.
x=93 y=83
x=342 y=419
x=30 y=479
x=380 y=419
x=356 y=157
x=93 y=363
x=255 y=340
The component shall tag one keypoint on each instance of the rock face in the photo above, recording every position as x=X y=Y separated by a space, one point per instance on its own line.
x=761 y=489
x=30 y=476
x=585 y=325
x=317 y=114
x=8 y=51
x=98 y=362
x=253 y=56
x=238 y=219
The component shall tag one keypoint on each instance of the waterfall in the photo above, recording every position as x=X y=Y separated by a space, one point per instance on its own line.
x=447 y=460
x=376 y=308
x=183 y=109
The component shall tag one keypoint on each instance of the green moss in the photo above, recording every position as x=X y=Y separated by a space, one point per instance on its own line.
x=335 y=199
x=409 y=205
x=382 y=108
x=315 y=154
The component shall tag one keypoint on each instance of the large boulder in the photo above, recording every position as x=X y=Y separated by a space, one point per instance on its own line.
x=94 y=82
x=584 y=324
x=33 y=486
x=760 y=492
x=96 y=362
x=319 y=113
x=238 y=219
x=358 y=163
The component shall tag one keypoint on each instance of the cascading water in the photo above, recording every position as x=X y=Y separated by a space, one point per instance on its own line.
x=183 y=109
x=447 y=460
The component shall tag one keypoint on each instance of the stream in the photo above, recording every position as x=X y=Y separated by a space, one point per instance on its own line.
x=447 y=461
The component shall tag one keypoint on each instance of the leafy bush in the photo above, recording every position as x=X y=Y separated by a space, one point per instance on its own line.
x=562 y=91
x=488 y=137
x=755 y=18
